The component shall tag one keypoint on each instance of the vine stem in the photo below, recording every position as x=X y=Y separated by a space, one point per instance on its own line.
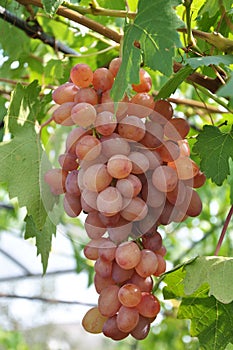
x=224 y=229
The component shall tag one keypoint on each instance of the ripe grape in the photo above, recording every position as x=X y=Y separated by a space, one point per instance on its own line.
x=88 y=148
x=142 y=329
x=102 y=79
x=164 y=178
x=101 y=282
x=149 y=305
x=108 y=302
x=62 y=115
x=145 y=82
x=81 y=75
x=68 y=161
x=88 y=200
x=161 y=265
x=109 y=201
x=107 y=250
x=131 y=128
x=64 y=93
x=176 y=129
x=83 y=114
x=119 y=274
x=119 y=166
x=105 y=123
x=164 y=108
x=114 y=145
x=97 y=178
x=87 y=95
x=72 y=205
x=129 y=295
x=152 y=196
x=134 y=210
x=94 y=226
x=140 y=163
x=127 y=318
x=128 y=255
x=73 y=137
x=71 y=183
x=56 y=178
x=152 y=242
x=169 y=151
x=148 y=264
x=114 y=65
x=144 y=284
x=111 y=330
x=103 y=268
x=93 y=321
x=91 y=250
x=185 y=167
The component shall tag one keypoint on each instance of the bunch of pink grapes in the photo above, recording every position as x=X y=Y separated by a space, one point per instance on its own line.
x=127 y=166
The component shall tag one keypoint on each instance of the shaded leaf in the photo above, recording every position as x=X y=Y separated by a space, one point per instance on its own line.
x=196 y=62
x=51 y=6
x=215 y=148
x=20 y=158
x=154 y=29
x=43 y=238
x=216 y=271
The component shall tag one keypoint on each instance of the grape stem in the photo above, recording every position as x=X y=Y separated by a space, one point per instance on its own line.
x=224 y=229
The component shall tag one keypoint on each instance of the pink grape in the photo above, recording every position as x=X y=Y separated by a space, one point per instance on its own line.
x=81 y=75
x=83 y=114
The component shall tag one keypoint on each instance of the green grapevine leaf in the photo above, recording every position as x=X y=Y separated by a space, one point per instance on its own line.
x=196 y=62
x=216 y=271
x=154 y=30
x=43 y=238
x=20 y=158
x=215 y=148
x=227 y=89
x=171 y=85
x=211 y=320
x=51 y=6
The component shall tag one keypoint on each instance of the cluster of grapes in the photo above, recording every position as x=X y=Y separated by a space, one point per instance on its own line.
x=127 y=166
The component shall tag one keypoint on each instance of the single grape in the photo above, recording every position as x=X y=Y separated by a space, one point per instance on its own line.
x=142 y=329
x=108 y=302
x=142 y=99
x=152 y=196
x=128 y=255
x=102 y=79
x=68 y=161
x=148 y=264
x=93 y=321
x=144 y=284
x=153 y=136
x=164 y=178
x=105 y=123
x=131 y=128
x=164 y=108
x=71 y=183
x=176 y=129
x=127 y=318
x=119 y=274
x=72 y=205
x=129 y=295
x=169 y=151
x=184 y=148
x=101 y=282
x=88 y=148
x=145 y=83
x=111 y=330
x=140 y=163
x=64 y=93
x=62 y=115
x=135 y=210
x=81 y=75
x=149 y=305
x=114 y=65
x=56 y=178
x=103 y=268
x=152 y=242
x=97 y=178
x=195 y=204
x=109 y=201
x=114 y=145
x=94 y=226
x=88 y=200
x=119 y=166
x=120 y=231
x=87 y=95
x=83 y=114
x=161 y=265
x=178 y=195
x=110 y=221
x=185 y=167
